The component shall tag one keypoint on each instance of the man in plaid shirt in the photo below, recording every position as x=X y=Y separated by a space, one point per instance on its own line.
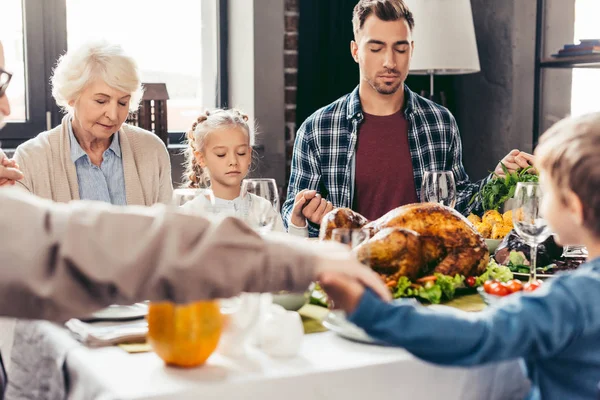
x=370 y=149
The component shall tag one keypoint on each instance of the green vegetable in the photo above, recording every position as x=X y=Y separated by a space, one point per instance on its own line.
x=432 y=294
x=402 y=287
x=433 y=291
x=494 y=271
x=318 y=296
x=494 y=194
x=449 y=284
x=517 y=258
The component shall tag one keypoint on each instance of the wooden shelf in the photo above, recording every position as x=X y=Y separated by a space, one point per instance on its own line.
x=590 y=61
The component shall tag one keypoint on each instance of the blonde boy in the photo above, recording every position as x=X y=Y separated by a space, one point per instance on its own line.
x=556 y=330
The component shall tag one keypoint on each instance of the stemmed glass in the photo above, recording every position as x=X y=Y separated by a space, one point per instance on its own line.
x=528 y=220
x=261 y=217
x=354 y=238
x=439 y=187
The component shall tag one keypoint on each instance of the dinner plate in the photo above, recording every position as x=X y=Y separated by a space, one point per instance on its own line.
x=526 y=275
x=336 y=322
x=120 y=312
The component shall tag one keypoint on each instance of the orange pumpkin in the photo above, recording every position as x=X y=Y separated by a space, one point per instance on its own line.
x=184 y=335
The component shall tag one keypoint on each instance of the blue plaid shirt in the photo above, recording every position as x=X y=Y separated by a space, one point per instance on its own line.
x=325 y=145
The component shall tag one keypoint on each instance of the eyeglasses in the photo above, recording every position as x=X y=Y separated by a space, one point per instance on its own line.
x=4 y=81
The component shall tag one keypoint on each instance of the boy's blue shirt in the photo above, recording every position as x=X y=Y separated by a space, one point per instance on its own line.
x=555 y=329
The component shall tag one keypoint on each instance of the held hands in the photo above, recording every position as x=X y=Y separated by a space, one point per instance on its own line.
x=344 y=278
x=309 y=205
x=345 y=293
x=9 y=171
x=514 y=161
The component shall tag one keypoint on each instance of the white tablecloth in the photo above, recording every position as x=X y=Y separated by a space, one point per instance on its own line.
x=328 y=367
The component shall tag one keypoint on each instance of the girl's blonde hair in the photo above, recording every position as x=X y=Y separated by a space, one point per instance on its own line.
x=195 y=176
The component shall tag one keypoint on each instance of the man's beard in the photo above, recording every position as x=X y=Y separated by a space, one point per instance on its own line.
x=2 y=120
x=382 y=88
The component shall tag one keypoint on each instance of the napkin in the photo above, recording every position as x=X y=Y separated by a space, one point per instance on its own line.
x=280 y=333
x=106 y=333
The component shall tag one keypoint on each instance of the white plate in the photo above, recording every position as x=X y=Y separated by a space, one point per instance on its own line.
x=336 y=322
x=526 y=275
x=119 y=313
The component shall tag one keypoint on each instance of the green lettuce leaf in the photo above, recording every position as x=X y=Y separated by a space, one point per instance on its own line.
x=402 y=287
x=449 y=284
x=494 y=271
x=433 y=294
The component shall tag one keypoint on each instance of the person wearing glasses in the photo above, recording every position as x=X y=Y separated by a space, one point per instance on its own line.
x=93 y=154
x=9 y=170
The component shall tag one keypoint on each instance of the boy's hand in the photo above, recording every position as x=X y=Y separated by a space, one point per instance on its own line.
x=335 y=260
x=344 y=291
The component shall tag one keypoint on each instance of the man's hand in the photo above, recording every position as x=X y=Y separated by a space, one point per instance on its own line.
x=316 y=208
x=302 y=198
x=9 y=171
x=514 y=161
x=345 y=292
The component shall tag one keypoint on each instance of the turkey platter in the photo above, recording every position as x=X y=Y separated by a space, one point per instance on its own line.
x=415 y=240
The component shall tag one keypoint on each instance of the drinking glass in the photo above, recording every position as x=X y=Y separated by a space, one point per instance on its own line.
x=439 y=187
x=528 y=220
x=262 y=218
x=354 y=238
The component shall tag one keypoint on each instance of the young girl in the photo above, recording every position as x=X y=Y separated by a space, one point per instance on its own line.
x=219 y=156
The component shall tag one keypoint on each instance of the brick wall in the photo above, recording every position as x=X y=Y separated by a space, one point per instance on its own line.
x=290 y=54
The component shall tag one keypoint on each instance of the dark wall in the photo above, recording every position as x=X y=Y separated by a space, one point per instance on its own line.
x=326 y=70
x=495 y=106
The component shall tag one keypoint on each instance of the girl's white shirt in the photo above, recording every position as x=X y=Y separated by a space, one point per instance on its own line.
x=244 y=208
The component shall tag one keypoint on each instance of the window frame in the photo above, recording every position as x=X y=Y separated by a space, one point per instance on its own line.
x=45 y=39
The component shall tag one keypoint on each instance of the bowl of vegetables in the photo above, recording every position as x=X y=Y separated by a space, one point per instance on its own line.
x=493 y=290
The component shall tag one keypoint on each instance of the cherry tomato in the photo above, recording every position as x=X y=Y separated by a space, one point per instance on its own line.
x=488 y=284
x=514 y=286
x=531 y=286
x=498 y=289
x=471 y=281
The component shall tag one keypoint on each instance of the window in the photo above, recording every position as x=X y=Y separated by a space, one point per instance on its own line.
x=174 y=42
x=586 y=81
x=23 y=42
x=11 y=31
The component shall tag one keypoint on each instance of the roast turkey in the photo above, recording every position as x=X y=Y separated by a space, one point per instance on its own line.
x=415 y=240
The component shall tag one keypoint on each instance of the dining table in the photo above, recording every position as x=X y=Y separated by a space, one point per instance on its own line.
x=48 y=363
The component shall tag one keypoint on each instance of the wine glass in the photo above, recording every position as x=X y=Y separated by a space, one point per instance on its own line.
x=196 y=200
x=528 y=220
x=439 y=187
x=261 y=216
x=354 y=238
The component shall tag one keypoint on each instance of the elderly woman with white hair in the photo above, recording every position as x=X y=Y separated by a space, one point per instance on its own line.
x=93 y=154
